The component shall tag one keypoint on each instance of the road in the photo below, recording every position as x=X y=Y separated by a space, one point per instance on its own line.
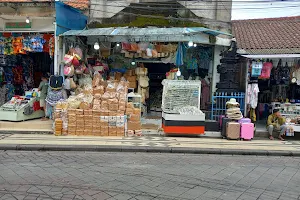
x=88 y=175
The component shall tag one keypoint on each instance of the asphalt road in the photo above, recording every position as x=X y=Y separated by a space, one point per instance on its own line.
x=80 y=175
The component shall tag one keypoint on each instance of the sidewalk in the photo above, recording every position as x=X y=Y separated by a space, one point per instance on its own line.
x=161 y=144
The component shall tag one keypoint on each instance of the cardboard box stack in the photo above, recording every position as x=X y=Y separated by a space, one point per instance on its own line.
x=58 y=126
x=134 y=121
x=131 y=78
x=72 y=122
x=105 y=115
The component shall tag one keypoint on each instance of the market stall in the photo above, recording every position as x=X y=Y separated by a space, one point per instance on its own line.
x=181 y=107
x=273 y=82
x=129 y=57
x=24 y=58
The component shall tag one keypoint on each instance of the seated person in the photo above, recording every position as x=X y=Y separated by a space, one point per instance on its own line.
x=277 y=122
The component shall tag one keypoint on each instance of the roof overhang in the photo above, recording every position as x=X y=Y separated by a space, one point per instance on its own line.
x=273 y=56
x=153 y=34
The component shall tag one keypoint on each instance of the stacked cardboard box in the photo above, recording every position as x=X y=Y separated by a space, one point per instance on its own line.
x=131 y=78
x=58 y=126
x=134 y=121
x=71 y=121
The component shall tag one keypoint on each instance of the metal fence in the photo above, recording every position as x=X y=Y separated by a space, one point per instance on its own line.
x=219 y=103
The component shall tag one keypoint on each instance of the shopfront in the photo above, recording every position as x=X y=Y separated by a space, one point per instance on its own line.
x=273 y=83
x=26 y=54
x=144 y=57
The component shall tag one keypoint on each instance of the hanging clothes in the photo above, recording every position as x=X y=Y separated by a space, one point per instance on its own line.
x=205 y=93
x=179 y=55
x=249 y=89
x=192 y=64
x=254 y=95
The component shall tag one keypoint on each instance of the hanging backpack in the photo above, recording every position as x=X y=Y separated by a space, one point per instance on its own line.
x=256 y=69
x=56 y=82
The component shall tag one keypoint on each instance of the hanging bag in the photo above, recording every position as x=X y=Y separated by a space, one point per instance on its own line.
x=266 y=70
x=69 y=70
x=68 y=59
x=72 y=84
x=256 y=69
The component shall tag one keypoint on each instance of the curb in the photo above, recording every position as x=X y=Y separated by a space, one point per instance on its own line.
x=106 y=148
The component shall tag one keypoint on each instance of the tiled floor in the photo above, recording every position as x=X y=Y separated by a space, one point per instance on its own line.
x=30 y=125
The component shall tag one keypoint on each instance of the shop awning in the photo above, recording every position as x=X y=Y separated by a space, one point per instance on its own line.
x=151 y=31
x=273 y=56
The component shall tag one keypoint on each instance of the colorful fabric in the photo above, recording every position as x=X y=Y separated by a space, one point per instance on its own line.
x=2 y=45
x=54 y=96
x=46 y=47
x=8 y=49
x=17 y=45
x=27 y=45
x=192 y=64
x=18 y=75
x=37 y=43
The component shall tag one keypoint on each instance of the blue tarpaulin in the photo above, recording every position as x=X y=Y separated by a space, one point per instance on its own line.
x=68 y=18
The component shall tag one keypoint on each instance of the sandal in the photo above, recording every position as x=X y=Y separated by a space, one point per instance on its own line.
x=281 y=138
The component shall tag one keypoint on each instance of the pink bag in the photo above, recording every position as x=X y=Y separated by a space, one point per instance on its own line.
x=266 y=70
x=68 y=59
x=247 y=131
x=68 y=70
x=75 y=61
x=244 y=120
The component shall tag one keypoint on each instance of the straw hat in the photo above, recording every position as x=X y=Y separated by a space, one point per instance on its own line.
x=232 y=101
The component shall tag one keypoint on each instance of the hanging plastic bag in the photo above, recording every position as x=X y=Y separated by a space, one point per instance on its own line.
x=67 y=84
x=149 y=52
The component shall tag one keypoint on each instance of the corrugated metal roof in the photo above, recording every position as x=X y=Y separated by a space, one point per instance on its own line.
x=142 y=31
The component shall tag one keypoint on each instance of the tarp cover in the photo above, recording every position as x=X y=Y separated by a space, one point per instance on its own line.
x=68 y=18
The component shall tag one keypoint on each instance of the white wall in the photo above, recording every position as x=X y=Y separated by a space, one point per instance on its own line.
x=37 y=25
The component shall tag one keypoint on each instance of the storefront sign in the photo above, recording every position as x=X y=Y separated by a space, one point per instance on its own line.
x=17 y=25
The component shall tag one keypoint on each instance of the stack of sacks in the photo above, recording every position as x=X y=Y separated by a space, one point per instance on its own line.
x=134 y=121
x=233 y=110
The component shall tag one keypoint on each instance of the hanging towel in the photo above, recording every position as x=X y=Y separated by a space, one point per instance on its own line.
x=179 y=55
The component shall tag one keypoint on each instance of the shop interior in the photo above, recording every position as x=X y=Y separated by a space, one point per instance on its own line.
x=273 y=83
x=24 y=58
